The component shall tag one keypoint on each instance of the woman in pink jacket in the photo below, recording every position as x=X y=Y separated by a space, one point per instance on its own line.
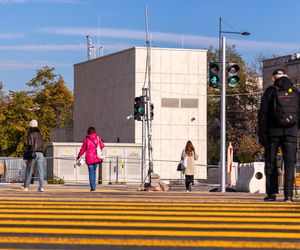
x=89 y=145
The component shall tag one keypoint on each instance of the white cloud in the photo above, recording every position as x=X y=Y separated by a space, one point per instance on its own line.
x=39 y=1
x=59 y=47
x=10 y=35
x=44 y=47
x=12 y=1
x=188 y=40
x=18 y=65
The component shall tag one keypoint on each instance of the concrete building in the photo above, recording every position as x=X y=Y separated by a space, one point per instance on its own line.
x=289 y=62
x=105 y=88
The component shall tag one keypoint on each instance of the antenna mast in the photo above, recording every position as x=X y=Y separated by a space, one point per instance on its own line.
x=147 y=96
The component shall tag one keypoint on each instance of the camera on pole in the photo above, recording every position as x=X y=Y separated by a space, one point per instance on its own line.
x=139 y=108
x=233 y=77
x=214 y=75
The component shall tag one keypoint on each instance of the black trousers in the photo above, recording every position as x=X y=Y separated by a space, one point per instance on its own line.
x=189 y=180
x=288 y=146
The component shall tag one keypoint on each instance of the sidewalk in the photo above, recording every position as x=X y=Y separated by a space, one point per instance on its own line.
x=129 y=193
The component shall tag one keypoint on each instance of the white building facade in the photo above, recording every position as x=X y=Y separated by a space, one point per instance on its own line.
x=105 y=88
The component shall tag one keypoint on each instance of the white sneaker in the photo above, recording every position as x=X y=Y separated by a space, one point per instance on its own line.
x=24 y=188
x=41 y=190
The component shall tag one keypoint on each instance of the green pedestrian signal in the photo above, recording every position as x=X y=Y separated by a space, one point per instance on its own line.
x=214 y=75
x=139 y=108
x=233 y=77
x=214 y=80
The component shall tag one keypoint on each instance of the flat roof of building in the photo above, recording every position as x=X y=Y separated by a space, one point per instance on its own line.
x=133 y=48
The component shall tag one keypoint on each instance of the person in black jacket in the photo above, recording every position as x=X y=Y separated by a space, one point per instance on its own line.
x=272 y=135
x=36 y=142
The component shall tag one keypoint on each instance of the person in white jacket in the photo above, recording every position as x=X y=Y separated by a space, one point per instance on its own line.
x=189 y=156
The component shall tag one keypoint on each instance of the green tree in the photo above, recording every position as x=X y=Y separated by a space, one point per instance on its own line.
x=54 y=101
x=50 y=102
x=15 y=115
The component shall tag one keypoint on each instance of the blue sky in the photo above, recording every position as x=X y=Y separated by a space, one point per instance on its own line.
x=35 y=33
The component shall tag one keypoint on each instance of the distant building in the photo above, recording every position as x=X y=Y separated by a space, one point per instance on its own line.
x=289 y=62
x=104 y=92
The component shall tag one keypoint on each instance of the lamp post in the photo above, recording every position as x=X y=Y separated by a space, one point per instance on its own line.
x=244 y=33
x=223 y=103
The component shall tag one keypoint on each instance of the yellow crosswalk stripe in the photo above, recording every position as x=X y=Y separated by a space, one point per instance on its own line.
x=161 y=208
x=149 y=204
x=152 y=242
x=150 y=212
x=219 y=225
x=133 y=232
x=148 y=224
x=150 y=218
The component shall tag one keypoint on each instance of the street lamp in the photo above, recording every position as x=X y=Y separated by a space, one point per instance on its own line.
x=223 y=104
x=244 y=33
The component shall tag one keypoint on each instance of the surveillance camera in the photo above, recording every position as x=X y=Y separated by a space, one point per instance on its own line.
x=193 y=119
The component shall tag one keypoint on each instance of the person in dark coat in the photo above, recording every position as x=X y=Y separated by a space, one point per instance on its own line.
x=273 y=135
x=36 y=142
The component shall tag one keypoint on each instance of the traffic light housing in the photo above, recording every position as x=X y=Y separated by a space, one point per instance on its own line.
x=139 y=108
x=151 y=111
x=233 y=77
x=214 y=75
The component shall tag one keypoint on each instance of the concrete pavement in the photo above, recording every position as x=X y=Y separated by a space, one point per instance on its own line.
x=200 y=193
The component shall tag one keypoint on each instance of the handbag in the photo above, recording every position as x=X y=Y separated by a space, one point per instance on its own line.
x=99 y=151
x=180 y=166
x=182 y=162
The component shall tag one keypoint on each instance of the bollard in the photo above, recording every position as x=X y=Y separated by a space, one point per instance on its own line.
x=109 y=181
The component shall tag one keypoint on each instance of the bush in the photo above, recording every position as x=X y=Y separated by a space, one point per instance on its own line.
x=56 y=180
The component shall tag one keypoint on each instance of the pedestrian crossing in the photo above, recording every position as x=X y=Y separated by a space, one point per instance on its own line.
x=33 y=224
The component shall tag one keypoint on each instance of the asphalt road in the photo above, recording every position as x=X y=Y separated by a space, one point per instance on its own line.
x=123 y=218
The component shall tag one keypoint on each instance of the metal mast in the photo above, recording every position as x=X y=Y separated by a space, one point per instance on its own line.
x=147 y=92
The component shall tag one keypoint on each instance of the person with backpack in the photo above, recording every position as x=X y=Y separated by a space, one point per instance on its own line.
x=34 y=156
x=278 y=123
x=89 y=147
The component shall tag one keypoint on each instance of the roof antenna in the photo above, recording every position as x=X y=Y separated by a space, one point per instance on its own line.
x=147 y=119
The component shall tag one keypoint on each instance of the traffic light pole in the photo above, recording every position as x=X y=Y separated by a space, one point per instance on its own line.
x=149 y=134
x=223 y=119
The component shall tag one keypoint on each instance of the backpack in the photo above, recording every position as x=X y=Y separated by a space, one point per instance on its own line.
x=286 y=106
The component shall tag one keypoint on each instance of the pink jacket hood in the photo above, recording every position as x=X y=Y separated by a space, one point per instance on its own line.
x=88 y=147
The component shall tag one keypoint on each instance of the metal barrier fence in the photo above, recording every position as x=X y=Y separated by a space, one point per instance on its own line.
x=114 y=170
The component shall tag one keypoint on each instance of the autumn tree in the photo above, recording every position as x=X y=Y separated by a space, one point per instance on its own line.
x=54 y=101
x=49 y=101
x=17 y=111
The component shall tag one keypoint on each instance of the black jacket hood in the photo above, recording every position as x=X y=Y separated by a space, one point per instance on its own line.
x=283 y=82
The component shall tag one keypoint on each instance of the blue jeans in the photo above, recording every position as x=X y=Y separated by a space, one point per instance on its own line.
x=92 y=175
x=39 y=163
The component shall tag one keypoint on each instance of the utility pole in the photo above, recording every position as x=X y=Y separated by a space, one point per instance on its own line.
x=223 y=118
x=148 y=101
x=223 y=101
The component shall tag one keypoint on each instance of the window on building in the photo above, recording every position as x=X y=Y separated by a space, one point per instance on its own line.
x=170 y=102
x=189 y=103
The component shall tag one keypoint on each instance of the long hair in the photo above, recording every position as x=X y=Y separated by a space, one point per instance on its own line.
x=189 y=148
x=91 y=130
